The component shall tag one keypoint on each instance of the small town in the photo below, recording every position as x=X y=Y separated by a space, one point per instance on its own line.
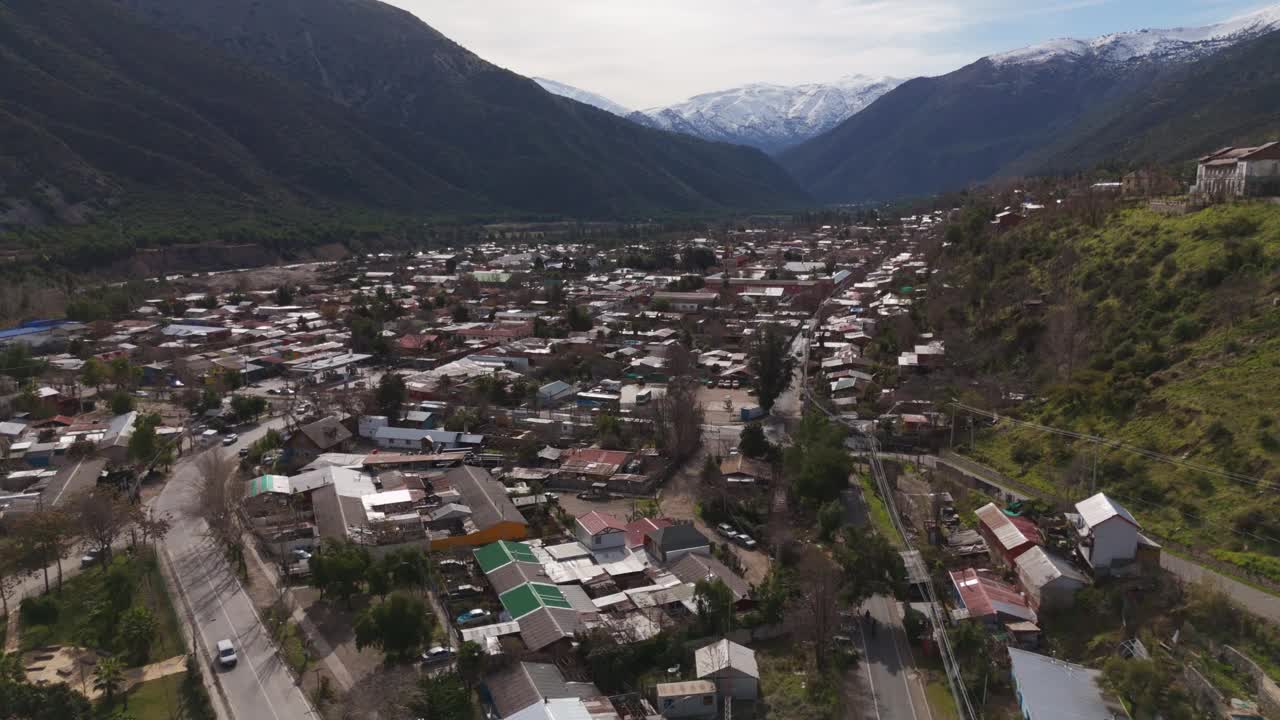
x=720 y=476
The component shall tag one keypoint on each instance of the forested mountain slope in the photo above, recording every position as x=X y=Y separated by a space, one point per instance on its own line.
x=1160 y=332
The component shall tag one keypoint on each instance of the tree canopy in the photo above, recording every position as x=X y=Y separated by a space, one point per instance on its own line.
x=770 y=361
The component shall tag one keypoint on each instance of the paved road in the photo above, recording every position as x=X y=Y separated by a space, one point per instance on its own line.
x=261 y=687
x=889 y=674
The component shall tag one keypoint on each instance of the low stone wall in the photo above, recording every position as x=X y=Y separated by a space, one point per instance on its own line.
x=1266 y=688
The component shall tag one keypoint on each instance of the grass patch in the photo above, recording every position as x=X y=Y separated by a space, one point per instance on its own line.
x=79 y=610
x=942 y=704
x=791 y=687
x=878 y=513
x=288 y=638
x=158 y=699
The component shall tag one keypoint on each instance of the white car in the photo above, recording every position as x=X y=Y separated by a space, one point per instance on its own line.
x=230 y=439
x=437 y=654
x=227 y=654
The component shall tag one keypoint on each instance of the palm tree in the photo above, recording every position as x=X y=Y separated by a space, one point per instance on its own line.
x=108 y=678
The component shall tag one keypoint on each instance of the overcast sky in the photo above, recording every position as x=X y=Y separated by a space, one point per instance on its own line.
x=643 y=53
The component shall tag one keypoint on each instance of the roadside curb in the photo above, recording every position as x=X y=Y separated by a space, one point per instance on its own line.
x=222 y=708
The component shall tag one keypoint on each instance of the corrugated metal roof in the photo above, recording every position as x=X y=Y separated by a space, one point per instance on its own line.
x=1100 y=508
x=725 y=654
x=688 y=687
x=1039 y=568
x=1055 y=690
x=1002 y=527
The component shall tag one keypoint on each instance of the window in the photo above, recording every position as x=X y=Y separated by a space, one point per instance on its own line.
x=595 y=540
x=708 y=700
x=667 y=703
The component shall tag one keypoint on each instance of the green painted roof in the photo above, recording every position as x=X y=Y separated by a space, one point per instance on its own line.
x=495 y=555
x=524 y=599
x=268 y=483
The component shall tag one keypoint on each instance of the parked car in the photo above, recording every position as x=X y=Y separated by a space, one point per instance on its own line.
x=300 y=554
x=473 y=615
x=227 y=654
x=437 y=654
x=726 y=530
x=244 y=452
x=597 y=491
x=462 y=591
x=91 y=557
x=230 y=439
x=745 y=541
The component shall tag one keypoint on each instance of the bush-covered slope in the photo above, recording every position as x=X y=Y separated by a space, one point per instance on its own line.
x=1163 y=333
x=499 y=135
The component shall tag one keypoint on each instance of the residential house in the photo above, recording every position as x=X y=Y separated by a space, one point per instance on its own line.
x=1108 y=533
x=689 y=699
x=638 y=530
x=1007 y=537
x=695 y=567
x=740 y=469
x=985 y=598
x=685 y=302
x=1236 y=172
x=493 y=516
x=322 y=436
x=600 y=531
x=555 y=392
x=731 y=667
x=547 y=618
x=669 y=544
x=521 y=685
x=1049 y=581
x=1051 y=689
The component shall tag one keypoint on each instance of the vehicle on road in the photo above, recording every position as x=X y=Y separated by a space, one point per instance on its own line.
x=437 y=654
x=745 y=541
x=91 y=557
x=473 y=615
x=227 y=654
x=726 y=530
x=230 y=439
x=244 y=452
x=597 y=491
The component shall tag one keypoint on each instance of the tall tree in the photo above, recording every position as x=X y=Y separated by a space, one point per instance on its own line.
x=443 y=696
x=94 y=373
x=399 y=626
x=46 y=537
x=771 y=363
x=338 y=568
x=714 y=601
x=472 y=663
x=677 y=420
x=138 y=630
x=389 y=397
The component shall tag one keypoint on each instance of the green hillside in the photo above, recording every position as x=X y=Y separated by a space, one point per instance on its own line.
x=1159 y=332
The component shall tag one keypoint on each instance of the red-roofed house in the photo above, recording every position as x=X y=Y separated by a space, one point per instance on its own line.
x=638 y=529
x=1007 y=537
x=985 y=598
x=594 y=462
x=600 y=531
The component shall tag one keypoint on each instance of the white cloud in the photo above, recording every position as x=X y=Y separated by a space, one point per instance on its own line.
x=643 y=53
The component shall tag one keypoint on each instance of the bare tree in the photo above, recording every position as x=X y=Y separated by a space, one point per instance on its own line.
x=819 y=602
x=677 y=420
x=46 y=536
x=11 y=573
x=217 y=502
x=102 y=518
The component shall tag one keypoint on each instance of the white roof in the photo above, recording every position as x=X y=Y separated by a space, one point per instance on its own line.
x=554 y=709
x=1100 y=508
x=1041 y=568
x=725 y=654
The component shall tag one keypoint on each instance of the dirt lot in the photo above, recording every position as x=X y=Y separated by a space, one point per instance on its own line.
x=713 y=404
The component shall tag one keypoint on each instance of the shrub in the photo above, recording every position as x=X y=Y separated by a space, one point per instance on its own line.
x=39 y=611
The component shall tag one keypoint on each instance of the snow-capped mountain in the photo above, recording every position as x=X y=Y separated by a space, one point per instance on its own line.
x=1171 y=44
x=770 y=117
x=582 y=96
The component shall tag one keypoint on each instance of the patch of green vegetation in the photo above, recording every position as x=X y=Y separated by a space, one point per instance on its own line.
x=1159 y=332
x=791 y=687
x=90 y=609
x=1223 y=677
x=878 y=512
x=942 y=704
x=158 y=699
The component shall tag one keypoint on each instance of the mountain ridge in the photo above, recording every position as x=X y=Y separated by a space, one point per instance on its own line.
x=995 y=116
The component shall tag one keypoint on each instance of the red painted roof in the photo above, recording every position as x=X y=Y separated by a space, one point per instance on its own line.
x=638 y=529
x=596 y=522
x=983 y=594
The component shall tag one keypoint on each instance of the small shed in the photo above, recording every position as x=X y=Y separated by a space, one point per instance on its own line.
x=732 y=667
